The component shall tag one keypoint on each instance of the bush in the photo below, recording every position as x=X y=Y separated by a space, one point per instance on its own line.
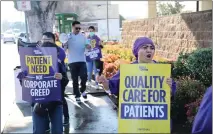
x=200 y=64
x=180 y=69
x=188 y=91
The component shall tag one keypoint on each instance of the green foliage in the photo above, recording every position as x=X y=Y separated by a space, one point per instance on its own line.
x=188 y=91
x=180 y=69
x=200 y=64
x=168 y=8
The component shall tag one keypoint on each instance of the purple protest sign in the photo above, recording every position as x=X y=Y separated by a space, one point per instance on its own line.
x=40 y=64
x=93 y=54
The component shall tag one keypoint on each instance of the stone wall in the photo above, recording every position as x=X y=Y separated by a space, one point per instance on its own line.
x=172 y=34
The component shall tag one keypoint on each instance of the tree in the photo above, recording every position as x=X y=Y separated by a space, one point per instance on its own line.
x=168 y=8
x=40 y=18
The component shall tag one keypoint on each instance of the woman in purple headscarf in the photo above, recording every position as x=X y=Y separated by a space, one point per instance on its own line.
x=144 y=50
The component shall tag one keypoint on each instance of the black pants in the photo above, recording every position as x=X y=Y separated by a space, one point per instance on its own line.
x=78 y=69
x=99 y=66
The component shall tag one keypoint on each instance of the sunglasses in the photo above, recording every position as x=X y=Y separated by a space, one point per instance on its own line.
x=77 y=28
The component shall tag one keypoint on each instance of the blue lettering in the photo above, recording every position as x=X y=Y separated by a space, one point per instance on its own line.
x=127 y=82
x=156 y=95
x=161 y=81
x=124 y=95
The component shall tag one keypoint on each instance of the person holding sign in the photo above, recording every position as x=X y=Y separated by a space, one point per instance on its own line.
x=203 y=120
x=50 y=37
x=141 y=94
x=143 y=50
x=76 y=45
x=93 y=61
x=46 y=91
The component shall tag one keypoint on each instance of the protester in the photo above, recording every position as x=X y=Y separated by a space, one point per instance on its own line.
x=50 y=37
x=143 y=50
x=203 y=120
x=41 y=117
x=95 y=42
x=76 y=45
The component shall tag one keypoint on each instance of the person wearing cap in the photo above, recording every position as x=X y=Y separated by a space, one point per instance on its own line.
x=144 y=50
x=203 y=120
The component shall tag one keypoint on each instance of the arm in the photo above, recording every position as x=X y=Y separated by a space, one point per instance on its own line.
x=114 y=83
x=87 y=43
x=99 y=43
x=173 y=88
x=65 y=46
x=203 y=120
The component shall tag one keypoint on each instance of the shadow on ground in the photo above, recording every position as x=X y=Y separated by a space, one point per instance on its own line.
x=94 y=115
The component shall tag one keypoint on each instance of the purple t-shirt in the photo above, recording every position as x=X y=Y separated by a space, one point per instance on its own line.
x=62 y=54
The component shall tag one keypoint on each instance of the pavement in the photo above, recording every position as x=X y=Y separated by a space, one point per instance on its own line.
x=94 y=115
x=9 y=60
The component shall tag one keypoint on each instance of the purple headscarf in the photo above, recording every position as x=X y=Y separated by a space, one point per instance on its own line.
x=139 y=42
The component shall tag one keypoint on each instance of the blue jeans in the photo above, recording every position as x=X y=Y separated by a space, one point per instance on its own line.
x=90 y=68
x=41 y=123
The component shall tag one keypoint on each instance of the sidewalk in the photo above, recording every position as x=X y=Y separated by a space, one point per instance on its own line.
x=94 y=115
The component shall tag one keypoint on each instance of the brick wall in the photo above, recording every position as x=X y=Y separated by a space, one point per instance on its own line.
x=172 y=34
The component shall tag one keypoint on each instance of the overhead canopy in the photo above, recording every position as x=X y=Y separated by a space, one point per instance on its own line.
x=66 y=15
x=65 y=20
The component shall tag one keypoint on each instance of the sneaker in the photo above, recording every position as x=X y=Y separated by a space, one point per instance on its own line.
x=89 y=83
x=78 y=100
x=66 y=120
x=84 y=95
x=97 y=87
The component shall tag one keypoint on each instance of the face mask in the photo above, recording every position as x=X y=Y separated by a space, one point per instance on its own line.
x=91 y=33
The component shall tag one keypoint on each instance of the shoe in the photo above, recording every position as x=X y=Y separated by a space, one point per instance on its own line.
x=84 y=95
x=66 y=120
x=89 y=83
x=78 y=100
x=97 y=87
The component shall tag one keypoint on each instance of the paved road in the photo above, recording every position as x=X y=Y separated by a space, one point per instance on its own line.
x=9 y=59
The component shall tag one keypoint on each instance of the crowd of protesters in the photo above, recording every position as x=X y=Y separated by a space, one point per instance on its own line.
x=79 y=66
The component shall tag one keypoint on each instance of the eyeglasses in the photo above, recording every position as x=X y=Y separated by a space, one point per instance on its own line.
x=77 y=28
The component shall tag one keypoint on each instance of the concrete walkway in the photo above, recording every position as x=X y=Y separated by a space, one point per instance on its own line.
x=94 y=115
